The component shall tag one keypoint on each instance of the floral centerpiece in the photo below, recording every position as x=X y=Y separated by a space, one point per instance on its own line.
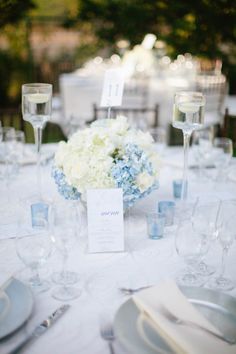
x=108 y=154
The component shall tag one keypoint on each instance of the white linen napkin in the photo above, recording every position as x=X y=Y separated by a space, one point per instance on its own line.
x=183 y=339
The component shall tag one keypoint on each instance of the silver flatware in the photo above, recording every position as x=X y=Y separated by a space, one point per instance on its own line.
x=179 y=321
x=41 y=328
x=194 y=167
x=131 y=291
x=107 y=333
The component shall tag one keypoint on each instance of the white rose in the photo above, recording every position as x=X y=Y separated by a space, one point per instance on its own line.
x=144 y=181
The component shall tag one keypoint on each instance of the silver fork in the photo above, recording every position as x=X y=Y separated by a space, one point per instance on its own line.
x=179 y=321
x=107 y=333
x=131 y=291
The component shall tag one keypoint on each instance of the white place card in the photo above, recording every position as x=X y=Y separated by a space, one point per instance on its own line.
x=113 y=88
x=105 y=220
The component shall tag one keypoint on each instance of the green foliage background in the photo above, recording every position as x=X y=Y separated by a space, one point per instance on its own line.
x=205 y=28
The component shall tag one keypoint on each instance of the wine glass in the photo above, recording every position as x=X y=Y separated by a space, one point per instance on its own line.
x=226 y=235
x=36 y=108
x=6 y=135
x=188 y=115
x=204 y=221
x=33 y=244
x=222 y=154
x=65 y=237
x=190 y=245
x=202 y=149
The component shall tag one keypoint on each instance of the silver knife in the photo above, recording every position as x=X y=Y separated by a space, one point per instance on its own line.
x=41 y=328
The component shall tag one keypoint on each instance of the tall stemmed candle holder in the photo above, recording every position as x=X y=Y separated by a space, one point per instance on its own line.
x=36 y=109
x=188 y=115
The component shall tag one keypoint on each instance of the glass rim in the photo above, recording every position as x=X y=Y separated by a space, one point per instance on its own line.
x=223 y=140
x=37 y=84
x=185 y=93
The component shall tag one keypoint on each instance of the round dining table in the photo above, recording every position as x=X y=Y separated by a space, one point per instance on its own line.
x=143 y=262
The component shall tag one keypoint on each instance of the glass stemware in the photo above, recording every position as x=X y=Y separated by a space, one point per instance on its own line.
x=33 y=245
x=65 y=237
x=222 y=154
x=226 y=236
x=36 y=108
x=188 y=115
x=204 y=221
x=190 y=245
x=6 y=137
x=202 y=150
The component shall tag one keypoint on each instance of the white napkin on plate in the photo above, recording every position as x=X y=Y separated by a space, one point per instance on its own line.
x=182 y=339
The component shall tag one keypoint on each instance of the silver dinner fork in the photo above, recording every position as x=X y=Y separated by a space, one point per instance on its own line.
x=107 y=333
x=179 y=321
x=131 y=291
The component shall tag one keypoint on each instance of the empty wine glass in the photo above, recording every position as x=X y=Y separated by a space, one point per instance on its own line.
x=6 y=137
x=226 y=235
x=204 y=221
x=190 y=245
x=222 y=154
x=202 y=150
x=159 y=137
x=188 y=115
x=33 y=245
x=65 y=237
x=36 y=108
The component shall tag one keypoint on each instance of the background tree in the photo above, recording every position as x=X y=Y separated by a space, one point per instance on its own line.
x=204 y=28
x=12 y=11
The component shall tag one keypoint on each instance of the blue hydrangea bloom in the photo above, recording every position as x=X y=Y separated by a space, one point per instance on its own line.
x=124 y=170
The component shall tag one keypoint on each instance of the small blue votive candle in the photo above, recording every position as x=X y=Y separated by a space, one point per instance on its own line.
x=39 y=214
x=155 y=225
x=167 y=208
x=177 y=188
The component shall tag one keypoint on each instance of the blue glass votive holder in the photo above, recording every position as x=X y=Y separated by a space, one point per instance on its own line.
x=155 y=225
x=167 y=208
x=177 y=188
x=39 y=214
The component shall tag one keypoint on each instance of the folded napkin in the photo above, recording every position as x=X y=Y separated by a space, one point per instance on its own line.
x=181 y=338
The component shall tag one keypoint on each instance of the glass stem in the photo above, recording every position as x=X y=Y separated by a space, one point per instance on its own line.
x=109 y=113
x=64 y=268
x=35 y=280
x=187 y=135
x=223 y=261
x=38 y=142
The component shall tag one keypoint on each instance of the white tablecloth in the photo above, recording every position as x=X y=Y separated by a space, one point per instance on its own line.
x=144 y=262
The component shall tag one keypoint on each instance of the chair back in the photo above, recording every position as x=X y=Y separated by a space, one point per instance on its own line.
x=138 y=117
x=229 y=128
x=215 y=88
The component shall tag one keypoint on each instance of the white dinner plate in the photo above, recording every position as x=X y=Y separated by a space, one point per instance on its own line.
x=20 y=307
x=217 y=307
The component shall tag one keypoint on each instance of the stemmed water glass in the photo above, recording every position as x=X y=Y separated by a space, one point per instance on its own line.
x=188 y=115
x=222 y=154
x=36 y=108
x=190 y=245
x=33 y=244
x=204 y=221
x=226 y=235
x=65 y=237
x=202 y=149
